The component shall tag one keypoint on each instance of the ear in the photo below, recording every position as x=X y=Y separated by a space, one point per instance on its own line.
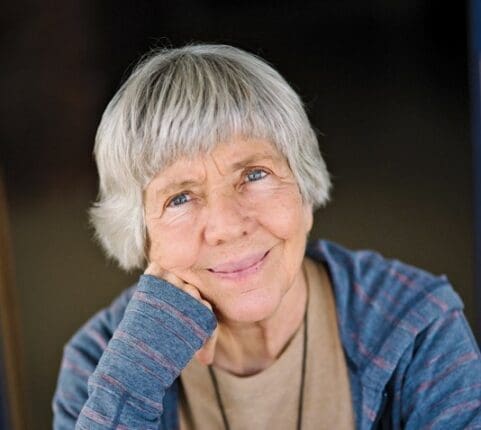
x=308 y=216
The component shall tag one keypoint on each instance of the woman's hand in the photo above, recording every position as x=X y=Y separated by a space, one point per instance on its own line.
x=205 y=355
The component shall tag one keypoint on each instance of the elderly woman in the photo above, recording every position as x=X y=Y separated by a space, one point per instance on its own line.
x=209 y=175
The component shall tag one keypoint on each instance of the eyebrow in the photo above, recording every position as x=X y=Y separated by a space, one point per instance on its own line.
x=176 y=186
x=249 y=160
x=238 y=165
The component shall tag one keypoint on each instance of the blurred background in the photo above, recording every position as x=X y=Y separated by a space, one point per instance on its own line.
x=385 y=83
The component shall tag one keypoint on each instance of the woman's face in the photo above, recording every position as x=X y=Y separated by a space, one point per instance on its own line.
x=233 y=224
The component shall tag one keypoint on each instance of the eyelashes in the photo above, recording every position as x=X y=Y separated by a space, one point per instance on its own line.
x=255 y=175
x=178 y=200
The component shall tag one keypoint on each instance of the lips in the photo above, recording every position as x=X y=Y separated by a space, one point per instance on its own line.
x=240 y=264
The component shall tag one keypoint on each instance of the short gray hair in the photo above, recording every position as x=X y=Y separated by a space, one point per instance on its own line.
x=182 y=102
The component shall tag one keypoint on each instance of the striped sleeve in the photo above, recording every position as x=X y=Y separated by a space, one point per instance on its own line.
x=443 y=381
x=121 y=384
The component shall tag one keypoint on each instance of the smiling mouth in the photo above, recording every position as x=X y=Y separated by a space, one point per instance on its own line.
x=240 y=266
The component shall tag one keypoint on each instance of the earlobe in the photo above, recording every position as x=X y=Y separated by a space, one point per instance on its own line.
x=308 y=216
x=147 y=248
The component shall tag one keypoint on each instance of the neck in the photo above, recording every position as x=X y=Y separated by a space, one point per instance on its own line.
x=248 y=348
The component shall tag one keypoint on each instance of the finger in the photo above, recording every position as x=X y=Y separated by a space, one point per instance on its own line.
x=206 y=354
x=191 y=290
x=157 y=271
x=194 y=292
x=207 y=304
x=173 y=279
x=154 y=269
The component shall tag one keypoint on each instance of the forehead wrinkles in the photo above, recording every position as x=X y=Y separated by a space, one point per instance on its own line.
x=182 y=173
x=218 y=161
x=226 y=158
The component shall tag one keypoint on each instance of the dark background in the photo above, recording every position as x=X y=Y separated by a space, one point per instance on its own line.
x=385 y=81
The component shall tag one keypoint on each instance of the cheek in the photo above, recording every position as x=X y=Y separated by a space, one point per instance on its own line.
x=283 y=214
x=172 y=247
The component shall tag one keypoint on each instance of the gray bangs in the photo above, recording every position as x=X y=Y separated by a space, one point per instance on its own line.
x=186 y=105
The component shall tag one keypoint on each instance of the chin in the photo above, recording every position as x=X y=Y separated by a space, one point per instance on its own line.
x=249 y=309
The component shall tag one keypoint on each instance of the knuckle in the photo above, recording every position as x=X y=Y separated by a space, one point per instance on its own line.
x=174 y=280
x=194 y=292
x=207 y=304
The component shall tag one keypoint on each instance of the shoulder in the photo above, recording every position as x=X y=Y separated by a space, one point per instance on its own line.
x=365 y=281
x=382 y=304
x=405 y=339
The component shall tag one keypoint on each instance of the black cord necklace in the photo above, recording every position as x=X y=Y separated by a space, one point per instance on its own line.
x=301 y=393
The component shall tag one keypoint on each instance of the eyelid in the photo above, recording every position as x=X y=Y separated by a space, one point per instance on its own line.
x=255 y=168
x=171 y=199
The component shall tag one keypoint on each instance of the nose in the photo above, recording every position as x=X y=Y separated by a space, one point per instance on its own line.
x=227 y=219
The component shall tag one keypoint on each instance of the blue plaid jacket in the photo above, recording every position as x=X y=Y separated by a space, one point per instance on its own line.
x=412 y=359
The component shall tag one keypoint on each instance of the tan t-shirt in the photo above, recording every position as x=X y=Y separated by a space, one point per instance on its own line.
x=270 y=399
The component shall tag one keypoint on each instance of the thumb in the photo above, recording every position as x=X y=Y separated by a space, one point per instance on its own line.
x=205 y=355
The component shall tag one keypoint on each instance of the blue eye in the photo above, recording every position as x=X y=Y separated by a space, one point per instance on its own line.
x=255 y=175
x=178 y=200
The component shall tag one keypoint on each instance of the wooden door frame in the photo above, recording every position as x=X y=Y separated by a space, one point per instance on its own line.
x=10 y=325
